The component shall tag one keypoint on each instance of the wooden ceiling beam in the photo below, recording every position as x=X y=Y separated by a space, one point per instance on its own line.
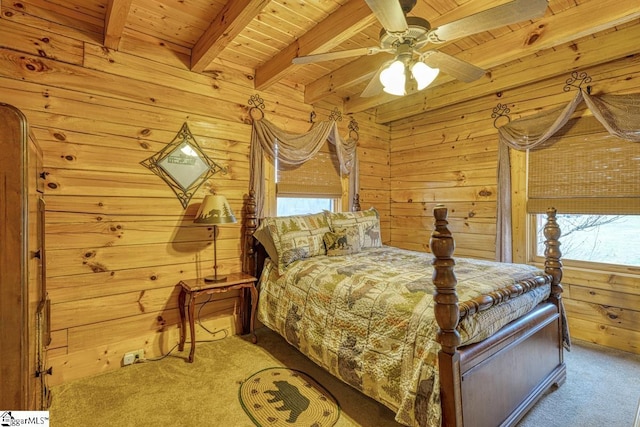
x=562 y=60
x=231 y=20
x=351 y=74
x=545 y=33
x=114 y=22
x=338 y=27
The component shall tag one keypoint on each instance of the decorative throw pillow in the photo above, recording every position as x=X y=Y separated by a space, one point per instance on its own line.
x=342 y=241
x=298 y=236
x=367 y=222
x=263 y=235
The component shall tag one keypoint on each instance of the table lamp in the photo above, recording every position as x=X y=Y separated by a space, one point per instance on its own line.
x=215 y=210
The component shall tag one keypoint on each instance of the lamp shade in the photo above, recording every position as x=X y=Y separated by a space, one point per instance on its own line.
x=214 y=209
x=393 y=78
x=423 y=74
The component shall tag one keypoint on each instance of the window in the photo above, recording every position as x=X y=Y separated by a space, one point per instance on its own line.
x=312 y=187
x=608 y=239
x=592 y=178
x=303 y=205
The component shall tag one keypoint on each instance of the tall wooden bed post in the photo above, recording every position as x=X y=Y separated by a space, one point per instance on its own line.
x=447 y=315
x=356 y=203
x=553 y=267
x=552 y=254
x=249 y=258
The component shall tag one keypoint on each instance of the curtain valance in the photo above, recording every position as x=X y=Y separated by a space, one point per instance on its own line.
x=295 y=149
x=619 y=114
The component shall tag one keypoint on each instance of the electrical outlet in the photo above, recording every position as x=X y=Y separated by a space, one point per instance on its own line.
x=132 y=357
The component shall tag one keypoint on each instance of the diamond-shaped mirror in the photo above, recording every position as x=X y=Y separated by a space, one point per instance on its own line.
x=183 y=165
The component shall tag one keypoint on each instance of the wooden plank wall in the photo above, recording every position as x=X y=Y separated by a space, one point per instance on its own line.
x=449 y=155
x=117 y=239
x=373 y=156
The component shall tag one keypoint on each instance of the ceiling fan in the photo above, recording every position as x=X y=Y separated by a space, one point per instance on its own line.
x=405 y=36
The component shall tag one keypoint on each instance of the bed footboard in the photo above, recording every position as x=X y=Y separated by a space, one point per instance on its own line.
x=496 y=381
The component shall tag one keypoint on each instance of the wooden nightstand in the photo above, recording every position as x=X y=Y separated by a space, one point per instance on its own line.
x=197 y=287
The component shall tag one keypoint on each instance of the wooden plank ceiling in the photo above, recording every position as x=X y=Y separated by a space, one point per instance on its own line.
x=263 y=36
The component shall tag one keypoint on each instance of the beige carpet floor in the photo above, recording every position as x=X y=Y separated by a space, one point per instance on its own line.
x=602 y=389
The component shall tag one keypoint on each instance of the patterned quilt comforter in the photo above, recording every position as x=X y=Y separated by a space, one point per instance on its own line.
x=368 y=319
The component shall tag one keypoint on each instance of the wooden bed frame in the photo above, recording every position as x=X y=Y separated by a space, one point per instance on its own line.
x=493 y=382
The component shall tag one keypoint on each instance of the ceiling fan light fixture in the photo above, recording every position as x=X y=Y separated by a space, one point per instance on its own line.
x=407 y=36
x=423 y=74
x=393 y=78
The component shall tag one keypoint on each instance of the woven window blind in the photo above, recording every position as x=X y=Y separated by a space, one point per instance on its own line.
x=585 y=171
x=319 y=177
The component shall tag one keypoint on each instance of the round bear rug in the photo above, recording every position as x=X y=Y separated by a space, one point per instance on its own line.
x=285 y=397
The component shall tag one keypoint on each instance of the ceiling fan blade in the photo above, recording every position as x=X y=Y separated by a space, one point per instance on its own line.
x=499 y=16
x=453 y=66
x=390 y=15
x=375 y=86
x=361 y=51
